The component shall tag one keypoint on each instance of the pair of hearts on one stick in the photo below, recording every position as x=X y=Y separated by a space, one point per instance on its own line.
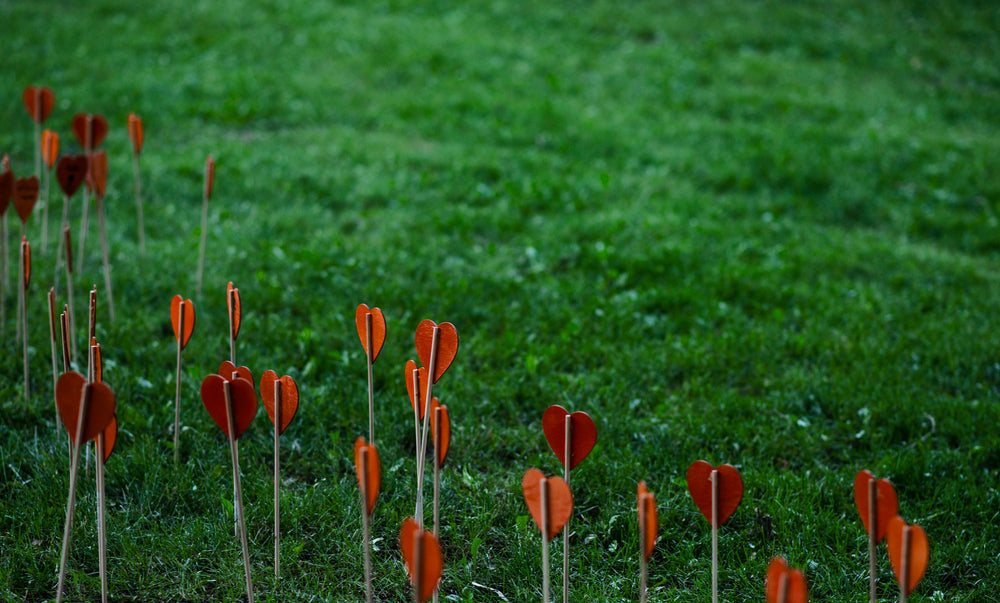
x=244 y=398
x=100 y=415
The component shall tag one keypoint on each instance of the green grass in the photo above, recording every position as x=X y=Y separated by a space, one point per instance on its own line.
x=751 y=232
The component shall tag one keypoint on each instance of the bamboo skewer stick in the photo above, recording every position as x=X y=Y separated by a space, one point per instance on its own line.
x=71 y=500
x=277 y=479
x=52 y=341
x=714 y=477
x=872 y=538
x=568 y=456
x=543 y=487
x=238 y=501
x=365 y=521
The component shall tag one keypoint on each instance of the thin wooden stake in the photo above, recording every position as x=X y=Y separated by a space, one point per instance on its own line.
x=714 y=478
x=418 y=564
x=64 y=226
x=231 y=295
x=422 y=453
x=45 y=209
x=415 y=377
x=71 y=501
x=89 y=151
x=177 y=396
x=872 y=538
x=437 y=480
x=904 y=570
x=238 y=502
x=104 y=251
x=25 y=271
x=643 y=565
x=64 y=334
x=567 y=452
x=783 y=588
x=543 y=488
x=69 y=293
x=277 y=478
x=371 y=386
x=365 y=523
x=102 y=531
x=52 y=341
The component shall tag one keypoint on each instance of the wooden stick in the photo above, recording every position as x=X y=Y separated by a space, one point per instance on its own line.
x=232 y=323
x=371 y=387
x=783 y=588
x=69 y=292
x=102 y=533
x=206 y=191
x=422 y=453
x=25 y=270
x=19 y=325
x=643 y=566
x=38 y=132
x=418 y=564
x=714 y=478
x=365 y=522
x=904 y=570
x=64 y=334
x=872 y=538
x=277 y=478
x=5 y=283
x=238 y=502
x=71 y=501
x=437 y=480
x=104 y=250
x=138 y=203
x=236 y=513
x=52 y=341
x=45 y=209
x=543 y=488
x=177 y=397
x=567 y=452
x=59 y=249
x=89 y=151
x=415 y=376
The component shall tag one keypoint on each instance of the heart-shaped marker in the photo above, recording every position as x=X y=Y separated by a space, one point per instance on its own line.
x=441 y=443
x=243 y=397
x=378 y=328
x=110 y=437
x=71 y=172
x=421 y=385
x=25 y=196
x=69 y=394
x=189 y=318
x=233 y=305
x=411 y=537
x=26 y=262
x=135 y=133
x=373 y=468
x=39 y=102
x=226 y=370
x=99 y=172
x=50 y=147
x=6 y=190
x=560 y=506
x=447 y=345
x=796 y=590
x=919 y=552
x=584 y=434
x=886 y=503
x=646 y=508
x=289 y=397
x=98 y=130
x=209 y=176
x=699 y=481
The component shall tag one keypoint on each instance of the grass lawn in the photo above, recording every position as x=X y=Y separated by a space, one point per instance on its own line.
x=758 y=233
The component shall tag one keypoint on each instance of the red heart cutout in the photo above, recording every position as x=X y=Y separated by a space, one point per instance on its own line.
x=560 y=503
x=421 y=386
x=374 y=471
x=243 y=398
x=99 y=172
x=70 y=390
x=226 y=370
x=233 y=305
x=39 y=102
x=648 y=519
x=110 y=437
x=189 y=319
x=919 y=552
x=25 y=196
x=796 y=590
x=410 y=538
x=700 y=486
x=440 y=446
x=209 y=176
x=886 y=503
x=6 y=190
x=135 y=132
x=71 y=172
x=26 y=262
x=378 y=328
x=98 y=130
x=289 y=397
x=447 y=345
x=583 y=432
x=50 y=148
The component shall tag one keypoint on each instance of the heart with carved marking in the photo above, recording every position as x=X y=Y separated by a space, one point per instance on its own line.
x=919 y=552
x=25 y=196
x=39 y=101
x=886 y=503
x=189 y=318
x=795 y=588
x=71 y=387
x=368 y=468
x=730 y=489
x=289 y=397
x=242 y=397
x=378 y=328
x=71 y=172
x=447 y=345
x=583 y=434
x=560 y=501
x=648 y=519
x=418 y=543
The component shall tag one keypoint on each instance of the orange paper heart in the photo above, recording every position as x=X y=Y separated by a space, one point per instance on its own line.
x=209 y=176
x=70 y=390
x=233 y=306
x=6 y=190
x=886 y=504
x=919 y=552
x=372 y=467
x=39 y=102
x=97 y=125
x=796 y=590
x=26 y=262
x=71 y=172
x=110 y=437
x=189 y=318
x=378 y=328
x=50 y=147
x=442 y=442
x=560 y=501
x=25 y=196
x=289 y=397
x=583 y=434
x=242 y=395
x=135 y=132
x=699 y=483
x=648 y=519
x=416 y=543
x=447 y=345
x=421 y=384
x=99 y=172
x=226 y=370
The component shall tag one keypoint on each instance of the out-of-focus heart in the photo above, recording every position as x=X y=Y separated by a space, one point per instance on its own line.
x=189 y=318
x=39 y=101
x=378 y=328
x=25 y=196
x=699 y=476
x=70 y=390
x=233 y=305
x=110 y=437
x=99 y=172
x=50 y=148
x=135 y=133
x=98 y=130
x=648 y=519
x=71 y=172
x=289 y=397
x=415 y=542
x=371 y=466
x=226 y=370
x=886 y=503
x=441 y=435
x=416 y=397
x=447 y=345
x=6 y=190
x=919 y=552
x=796 y=590
x=560 y=501
x=242 y=395
x=583 y=434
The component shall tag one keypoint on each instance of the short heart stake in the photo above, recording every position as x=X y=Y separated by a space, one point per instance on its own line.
x=369 y=472
x=182 y=318
x=281 y=401
x=135 y=134
x=909 y=553
x=784 y=584
x=648 y=526
x=206 y=195
x=877 y=504
x=717 y=491
x=422 y=555
x=550 y=502
x=371 y=330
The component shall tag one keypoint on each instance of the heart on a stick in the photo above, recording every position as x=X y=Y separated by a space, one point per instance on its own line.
x=233 y=304
x=886 y=503
x=50 y=148
x=98 y=130
x=415 y=399
x=99 y=172
x=447 y=345
x=189 y=318
x=730 y=485
x=70 y=390
x=289 y=397
x=919 y=552
x=242 y=395
x=441 y=434
x=369 y=470
x=25 y=196
x=796 y=589
x=71 y=172
x=226 y=370
x=39 y=101
x=648 y=519
x=378 y=328
x=583 y=434
x=415 y=542
x=6 y=190
x=560 y=501
x=135 y=133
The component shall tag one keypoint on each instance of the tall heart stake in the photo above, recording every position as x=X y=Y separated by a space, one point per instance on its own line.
x=71 y=172
x=228 y=370
x=182 y=318
x=415 y=378
x=86 y=409
x=371 y=330
x=369 y=471
x=235 y=316
x=102 y=452
x=877 y=504
x=90 y=131
x=717 y=491
x=422 y=555
x=550 y=502
x=25 y=281
x=39 y=102
x=6 y=194
x=25 y=197
x=99 y=171
x=784 y=584
x=206 y=195
x=135 y=134
x=441 y=434
x=50 y=150
x=909 y=553
x=571 y=437
x=232 y=405
x=648 y=525
x=281 y=400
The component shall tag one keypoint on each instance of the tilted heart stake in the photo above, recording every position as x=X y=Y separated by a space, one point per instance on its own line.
x=289 y=397
x=551 y=516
